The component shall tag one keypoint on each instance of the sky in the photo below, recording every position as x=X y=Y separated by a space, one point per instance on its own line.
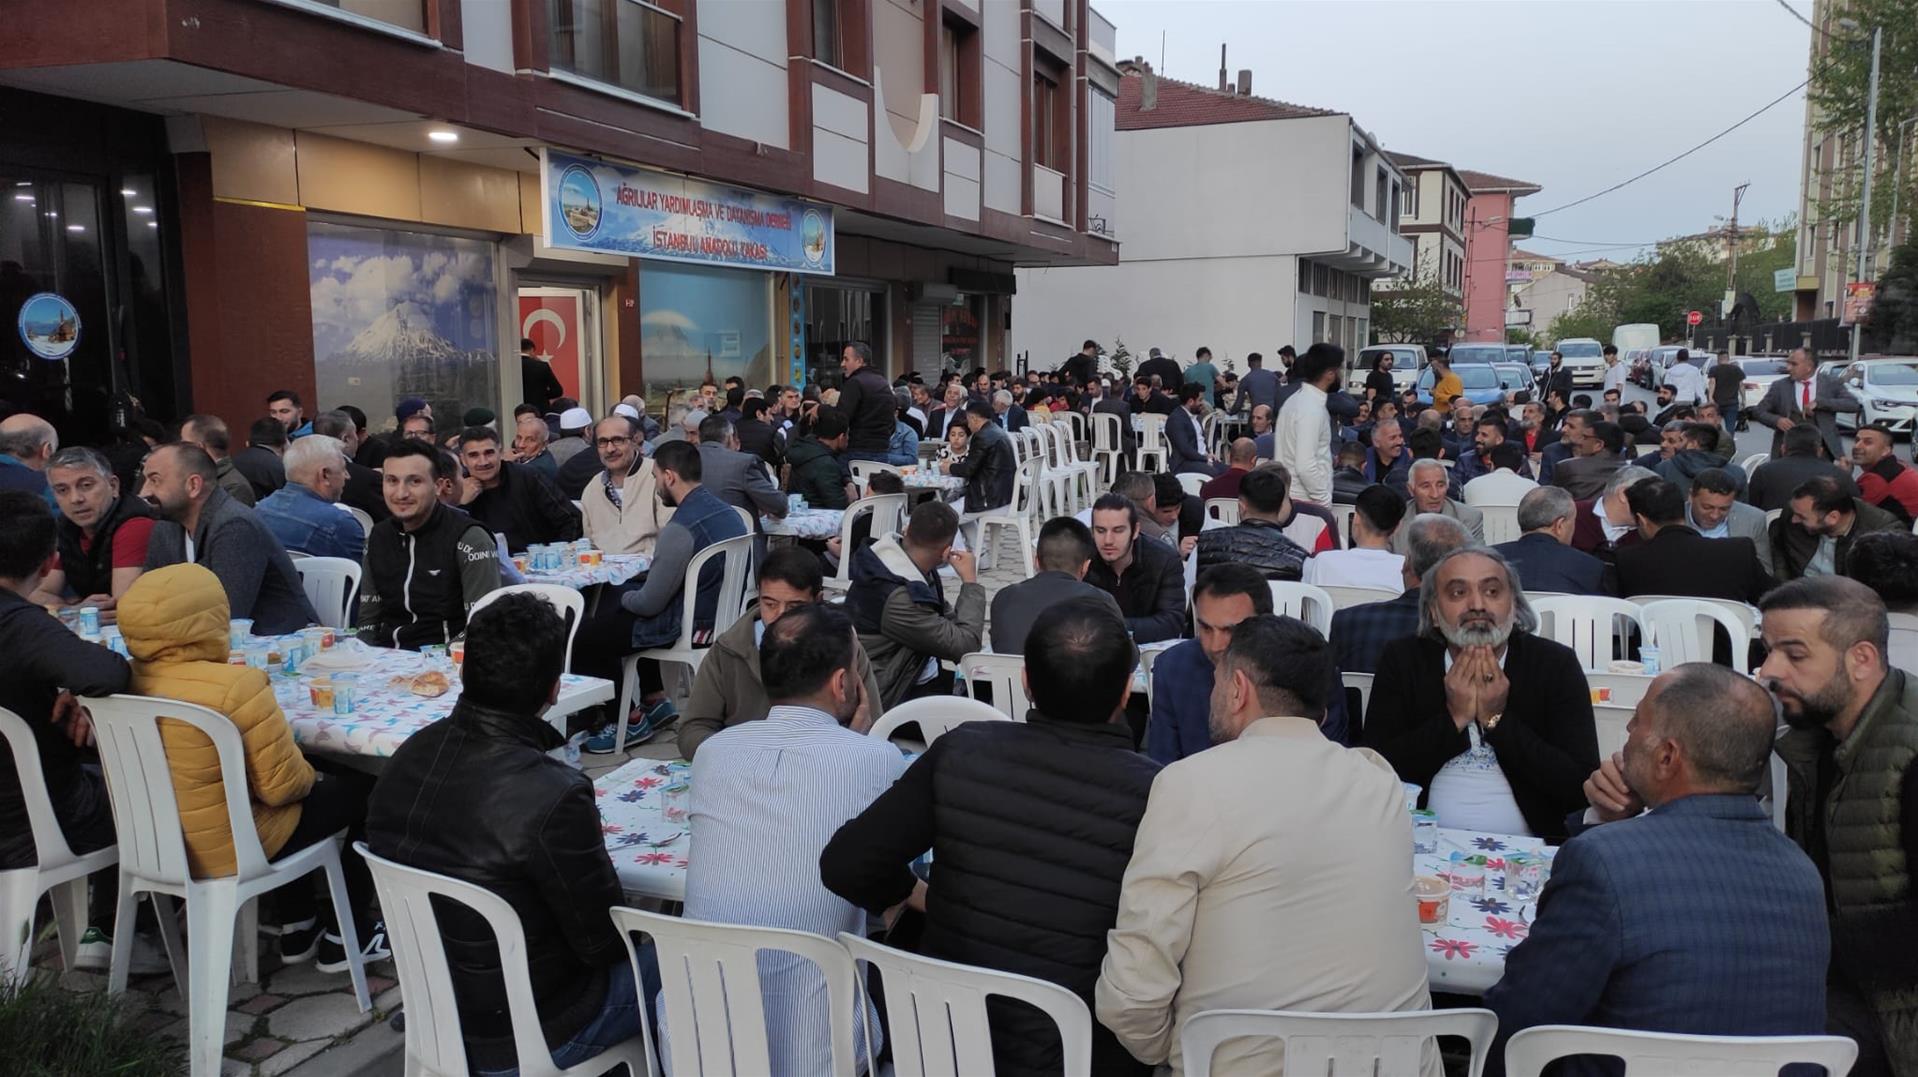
x=1571 y=95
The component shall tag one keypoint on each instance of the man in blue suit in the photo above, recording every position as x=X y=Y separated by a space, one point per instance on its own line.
x=1186 y=435
x=1010 y=417
x=1544 y=556
x=1696 y=916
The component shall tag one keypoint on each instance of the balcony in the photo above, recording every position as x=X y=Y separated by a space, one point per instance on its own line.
x=627 y=46
x=1049 y=194
x=399 y=18
x=1372 y=249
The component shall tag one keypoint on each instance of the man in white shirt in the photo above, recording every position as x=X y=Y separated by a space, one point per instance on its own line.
x=1272 y=871
x=1686 y=380
x=766 y=798
x=1502 y=485
x=1370 y=561
x=1615 y=371
x=1304 y=438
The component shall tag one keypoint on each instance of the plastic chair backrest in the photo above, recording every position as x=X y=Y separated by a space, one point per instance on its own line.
x=1741 y=612
x=1193 y=482
x=1655 y=1054
x=1780 y=790
x=330 y=584
x=709 y=982
x=1904 y=641
x=568 y=603
x=1588 y=625
x=1107 y=432
x=1609 y=722
x=1753 y=462
x=1682 y=630
x=888 y=515
x=1005 y=674
x=864 y=470
x=736 y=556
x=1342 y=517
x=1339 y=1043
x=146 y=816
x=1305 y=601
x=1152 y=432
x=365 y=520
x=935 y=715
x=1344 y=596
x=938 y=1012
x=1223 y=509
x=1626 y=688
x=433 y=1038
x=1501 y=523
x=49 y=843
x=1362 y=684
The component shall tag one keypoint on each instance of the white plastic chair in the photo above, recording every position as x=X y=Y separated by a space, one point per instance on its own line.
x=1627 y=689
x=1152 y=444
x=433 y=1035
x=1780 y=791
x=1005 y=674
x=864 y=470
x=1744 y=613
x=1681 y=628
x=1108 y=446
x=1345 y=596
x=1305 y=601
x=1753 y=462
x=58 y=869
x=1656 y=1054
x=1609 y=721
x=330 y=584
x=1589 y=625
x=709 y=981
x=938 y=1012
x=1362 y=684
x=888 y=513
x=1058 y=486
x=1224 y=510
x=735 y=556
x=1904 y=641
x=146 y=816
x=936 y=716
x=365 y=520
x=1340 y=1043
x=1015 y=514
x=1193 y=482
x=1501 y=523
x=1147 y=658
x=1342 y=518
x=568 y=603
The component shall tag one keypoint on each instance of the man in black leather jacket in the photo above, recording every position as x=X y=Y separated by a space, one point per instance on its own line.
x=476 y=797
x=1258 y=539
x=989 y=465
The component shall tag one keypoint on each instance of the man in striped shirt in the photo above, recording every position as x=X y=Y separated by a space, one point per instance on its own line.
x=767 y=796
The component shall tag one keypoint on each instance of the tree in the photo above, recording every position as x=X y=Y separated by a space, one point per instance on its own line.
x=1893 y=324
x=1678 y=277
x=1418 y=311
x=1840 y=83
x=1120 y=358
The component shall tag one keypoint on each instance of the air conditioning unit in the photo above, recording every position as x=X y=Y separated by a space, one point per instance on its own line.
x=934 y=292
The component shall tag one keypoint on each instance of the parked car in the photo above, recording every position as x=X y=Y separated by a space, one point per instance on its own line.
x=1585 y=358
x=1662 y=358
x=1407 y=361
x=1760 y=372
x=1888 y=391
x=1519 y=353
x=1472 y=354
x=1480 y=381
x=1516 y=378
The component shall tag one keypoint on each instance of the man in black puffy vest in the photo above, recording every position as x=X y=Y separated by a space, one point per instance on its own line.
x=426 y=564
x=1257 y=539
x=102 y=537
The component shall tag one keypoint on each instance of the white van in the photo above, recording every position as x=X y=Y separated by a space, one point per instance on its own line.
x=1407 y=361
x=1635 y=343
x=1585 y=358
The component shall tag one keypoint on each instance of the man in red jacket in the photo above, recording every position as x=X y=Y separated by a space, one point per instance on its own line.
x=1883 y=479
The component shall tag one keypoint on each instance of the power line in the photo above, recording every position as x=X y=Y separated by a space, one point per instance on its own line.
x=1774 y=102
x=1599 y=242
x=1795 y=14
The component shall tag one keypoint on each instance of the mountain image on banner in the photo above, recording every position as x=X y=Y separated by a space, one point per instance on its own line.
x=404 y=333
x=401 y=354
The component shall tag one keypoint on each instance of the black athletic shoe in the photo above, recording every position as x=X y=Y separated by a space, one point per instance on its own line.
x=372 y=948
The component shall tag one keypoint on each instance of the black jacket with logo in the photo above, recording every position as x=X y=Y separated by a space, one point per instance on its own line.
x=420 y=584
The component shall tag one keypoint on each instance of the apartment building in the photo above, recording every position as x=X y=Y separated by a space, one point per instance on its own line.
x=1432 y=212
x=368 y=199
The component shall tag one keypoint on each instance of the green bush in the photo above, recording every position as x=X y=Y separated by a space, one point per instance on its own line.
x=48 y=1031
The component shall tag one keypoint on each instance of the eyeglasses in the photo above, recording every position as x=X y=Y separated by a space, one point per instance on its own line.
x=607 y=443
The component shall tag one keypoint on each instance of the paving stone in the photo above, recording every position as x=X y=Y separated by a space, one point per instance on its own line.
x=317 y=1017
x=239 y=1026
x=377 y=984
x=233 y=1067
x=294 y=981
x=291 y=1057
x=388 y=1000
x=259 y=1050
x=261 y=1003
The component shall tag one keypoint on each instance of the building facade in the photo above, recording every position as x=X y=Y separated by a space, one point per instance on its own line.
x=1250 y=224
x=1488 y=250
x=1432 y=213
x=1539 y=300
x=368 y=199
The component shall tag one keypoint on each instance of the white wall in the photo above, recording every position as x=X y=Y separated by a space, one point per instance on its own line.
x=961 y=180
x=1000 y=92
x=742 y=69
x=1233 y=306
x=839 y=145
x=486 y=28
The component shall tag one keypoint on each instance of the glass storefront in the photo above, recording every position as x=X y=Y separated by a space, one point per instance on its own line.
x=836 y=315
x=399 y=314
x=696 y=322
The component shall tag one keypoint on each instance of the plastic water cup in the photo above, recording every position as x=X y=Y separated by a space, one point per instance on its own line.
x=292 y=653
x=1434 y=898
x=320 y=691
x=1648 y=656
x=259 y=655
x=1465 y=876
x=1412 y=794
x=316 y=640
x=237 y=632
x=678 y=801
x=1425 y=832
x=69 y=618
x=89 y=620
x=1524 y=876
x=346 y=691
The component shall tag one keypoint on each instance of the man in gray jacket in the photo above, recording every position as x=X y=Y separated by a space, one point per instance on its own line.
x=206 y=526
x=1065 y=553
x=898 y=604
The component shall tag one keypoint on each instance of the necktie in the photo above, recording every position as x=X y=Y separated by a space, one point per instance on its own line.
x=1804 y=390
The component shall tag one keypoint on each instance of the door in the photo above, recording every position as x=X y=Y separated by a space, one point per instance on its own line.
x=563 y=324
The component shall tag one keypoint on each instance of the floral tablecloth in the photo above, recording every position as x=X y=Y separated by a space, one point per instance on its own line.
x=649 y=854
x=387 y=712
x=1466 y=954
x=806 y=524
x=927 y=479
x=614 y=568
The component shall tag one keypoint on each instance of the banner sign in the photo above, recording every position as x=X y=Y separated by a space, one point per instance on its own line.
x=1858 y=297
x=614 y=209
x=1784 y=280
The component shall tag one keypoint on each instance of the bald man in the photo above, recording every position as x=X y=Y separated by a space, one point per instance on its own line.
x=27 y=442
x=1240 y=458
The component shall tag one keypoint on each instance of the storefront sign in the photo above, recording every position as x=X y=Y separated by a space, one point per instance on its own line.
x=611 y=209
x=49 y=326
x=1784 y=280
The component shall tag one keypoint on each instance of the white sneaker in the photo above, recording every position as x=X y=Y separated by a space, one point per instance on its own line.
x=95 y=953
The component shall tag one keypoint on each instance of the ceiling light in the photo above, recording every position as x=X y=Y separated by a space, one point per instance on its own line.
x=76 y=228
x=153 y=224
x=23 y=183
x=129 y=192
x=442 y=135
x=27 y=198
x=143 y=209
x=51 y=213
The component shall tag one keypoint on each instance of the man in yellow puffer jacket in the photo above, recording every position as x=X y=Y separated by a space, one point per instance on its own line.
x=175 y=621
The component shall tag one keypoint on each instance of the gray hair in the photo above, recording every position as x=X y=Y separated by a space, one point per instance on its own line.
x=306 y=456
x=1626 y=476
x=1523 y=617
x=1676 y=426
x=536 y=427
x=676 y=415
x=334 y=424
x=28 y=436
x=691 y=420
x=1723 y=720
x=1003 y=396
x=82 y=458
x=1426 y=464
x=1429 y=537
x=1543 y=507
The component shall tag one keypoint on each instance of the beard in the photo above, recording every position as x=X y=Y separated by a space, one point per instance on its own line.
x=1476 y=630
x=1816 y=710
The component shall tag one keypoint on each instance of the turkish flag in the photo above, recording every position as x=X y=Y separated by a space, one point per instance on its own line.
x=552 y=323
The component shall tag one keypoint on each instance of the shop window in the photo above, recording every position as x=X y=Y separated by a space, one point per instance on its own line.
x=696 y=321
x=57 y=351
x=399 y=314
x=960 y=326
x=835 y=317
x=627 y=44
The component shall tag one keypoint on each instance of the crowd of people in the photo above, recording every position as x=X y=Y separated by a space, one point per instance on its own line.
x=1237 y=837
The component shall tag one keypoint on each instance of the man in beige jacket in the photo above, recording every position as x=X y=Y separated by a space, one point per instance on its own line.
x=621 y=512
x=1272 y=871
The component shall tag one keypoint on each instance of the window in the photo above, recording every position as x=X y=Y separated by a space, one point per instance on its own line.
x=1318 y=326
x=825 y=33
x=1051 y=140
x=1305 y=276
x=405 y=14
x=1393 y=217
x=1358 y=177
x=1411 y=206
x=959 y=74
x=1320 y=278
x=1338 y=330
x=629 y=44
x=1379 y=187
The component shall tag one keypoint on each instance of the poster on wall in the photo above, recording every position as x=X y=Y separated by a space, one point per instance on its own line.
x=611 y=209
x=399 y=314
x=49 y=326
x=552 y=322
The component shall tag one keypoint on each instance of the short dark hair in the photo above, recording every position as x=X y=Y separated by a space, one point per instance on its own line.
x=802 y=650
x=1714 y=480
x=1426 y=443
x=213 y=432
x=1802 y=440
x=194 y=460
x=520 y=411
x=28 y=538
x=1191 y=391
x=1317 y=359
x=794 y=566
x=526 y=344
x=1254 y=359
x=1116 y=503
x=1142 y=379
x=1235 y=578
x=266 y=432
x=679 y=457
x=1286 y=660
x=1611 y=435
x=1381 y=506
x=446 y=466
x=1887 y=562
x=932 y=523
x=1264 y=489
x=1506 y=454
x=1701 y=433
x=1825 y=493
x=1853 y=614
x=1065 y=544
x=406 y=447
x=829 y=424
x=515 y=650
x=751 y=409
x=714 y=429
x=886 y=482
x=1658 y=500
x=1079 y=660
x=981 y=409
x=285 y=394
x=478 y=433
x=1722 y=719
x=355 y=414
x=1203 y=353
x=1167 y=489
x=1879 y=428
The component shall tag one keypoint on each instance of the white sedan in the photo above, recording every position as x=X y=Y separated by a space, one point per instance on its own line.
x=1887 y=390
x=1759 y=374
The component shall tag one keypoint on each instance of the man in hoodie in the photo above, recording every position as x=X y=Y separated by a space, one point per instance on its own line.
x=428 y=562
x=819 y=472
x=727 y=690
x=1697 y=451
x=203 y=525
x=898 y=604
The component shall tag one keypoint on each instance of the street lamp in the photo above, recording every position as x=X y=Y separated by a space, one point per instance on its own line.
x=1850 y=26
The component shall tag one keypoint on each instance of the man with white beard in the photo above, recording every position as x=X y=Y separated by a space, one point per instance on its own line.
x=1494 y=722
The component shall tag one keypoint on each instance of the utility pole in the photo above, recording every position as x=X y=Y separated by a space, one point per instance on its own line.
x=1864 y=209
x=1731 y=241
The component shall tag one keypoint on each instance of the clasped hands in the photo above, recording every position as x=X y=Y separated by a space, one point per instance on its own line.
x=1476 y=687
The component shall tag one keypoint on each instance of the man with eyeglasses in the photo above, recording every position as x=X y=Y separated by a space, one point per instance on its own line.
x=620 y=504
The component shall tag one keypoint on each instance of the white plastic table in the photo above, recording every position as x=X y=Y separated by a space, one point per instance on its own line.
x=1466 y=954
x=805 y=523
x=649 y=855
x=614 y=569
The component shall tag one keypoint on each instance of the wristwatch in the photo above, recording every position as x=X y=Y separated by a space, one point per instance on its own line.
x=1491 y=721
